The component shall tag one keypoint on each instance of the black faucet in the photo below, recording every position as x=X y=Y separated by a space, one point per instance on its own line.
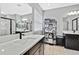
x=74 y=31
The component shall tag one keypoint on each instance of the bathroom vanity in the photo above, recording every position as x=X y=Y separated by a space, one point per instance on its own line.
x=72 y=40
x=29 y=45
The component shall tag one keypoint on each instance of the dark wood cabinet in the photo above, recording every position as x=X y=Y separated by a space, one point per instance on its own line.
x=41 y=49
x=37 y=49
x=72 y=42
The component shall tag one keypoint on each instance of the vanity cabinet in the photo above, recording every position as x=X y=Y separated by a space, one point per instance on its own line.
x=37 y=52
x=37 y=49
x=72 y=41
x=41 y=51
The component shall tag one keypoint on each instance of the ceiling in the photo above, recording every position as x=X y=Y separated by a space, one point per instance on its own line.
x=24 y=8
x=46 y=6
x=15 y=8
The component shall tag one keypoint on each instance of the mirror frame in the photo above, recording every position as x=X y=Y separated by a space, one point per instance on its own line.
x=76 y=21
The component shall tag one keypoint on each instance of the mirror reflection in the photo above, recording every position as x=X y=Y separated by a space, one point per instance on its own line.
x=15 y=17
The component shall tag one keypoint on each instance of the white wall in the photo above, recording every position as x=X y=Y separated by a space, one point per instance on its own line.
x=58 y=14
x=37 y=17
x=37 y=21
x=0 y=11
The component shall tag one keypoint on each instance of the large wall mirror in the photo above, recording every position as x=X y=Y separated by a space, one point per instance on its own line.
x=75 y=24
x=71 y=23
x=78 y=23
x=19 y=13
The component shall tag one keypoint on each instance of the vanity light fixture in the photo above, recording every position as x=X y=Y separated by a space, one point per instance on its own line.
x=73 y=13
x=78 y=12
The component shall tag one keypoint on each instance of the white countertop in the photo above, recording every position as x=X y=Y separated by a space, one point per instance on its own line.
x=19 y=46
x=71 y=32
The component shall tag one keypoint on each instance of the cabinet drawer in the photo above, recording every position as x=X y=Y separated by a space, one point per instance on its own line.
x=34 y=49
x=41 y=49
x=37 y=52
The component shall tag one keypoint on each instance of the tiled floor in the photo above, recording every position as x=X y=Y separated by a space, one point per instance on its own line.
x=58 y=50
